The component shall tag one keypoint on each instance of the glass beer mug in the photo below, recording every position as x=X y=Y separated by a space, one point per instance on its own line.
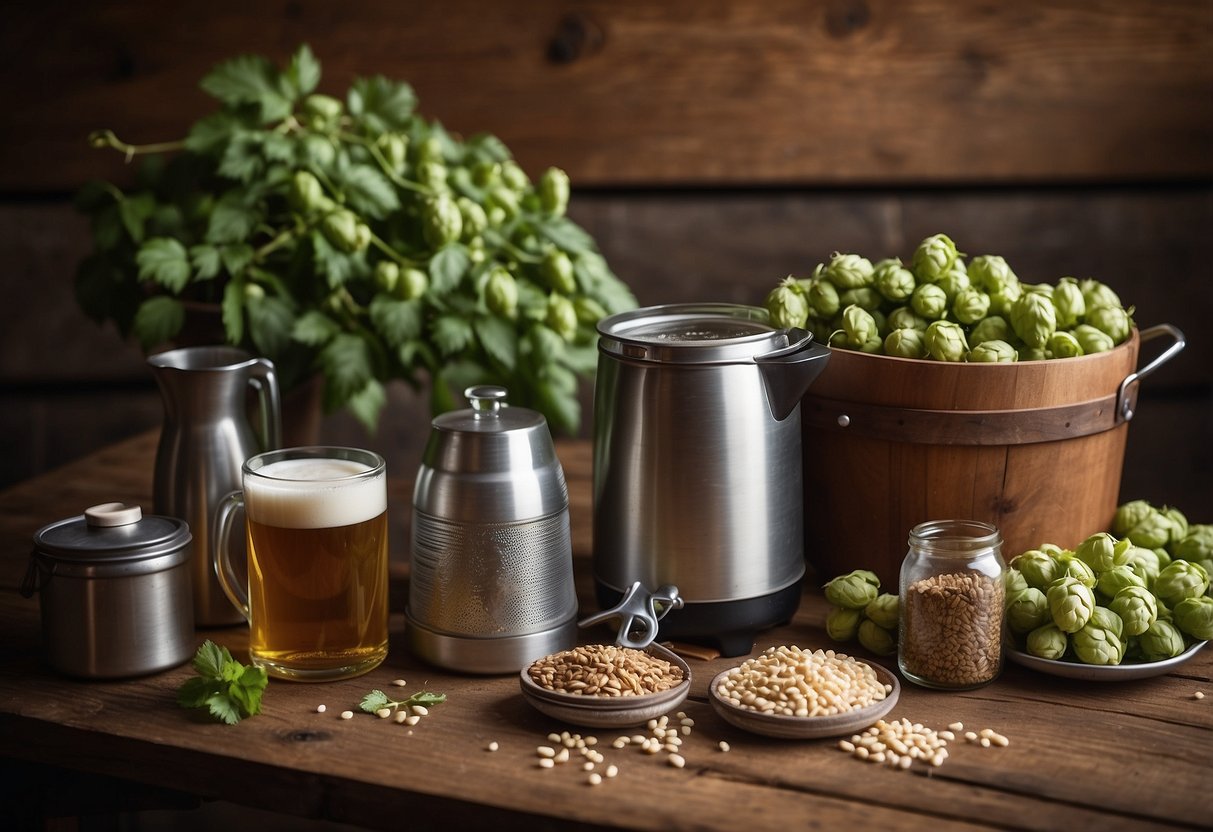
x=317 y=593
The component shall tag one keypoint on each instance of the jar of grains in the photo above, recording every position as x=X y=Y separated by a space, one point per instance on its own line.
x=951 y=609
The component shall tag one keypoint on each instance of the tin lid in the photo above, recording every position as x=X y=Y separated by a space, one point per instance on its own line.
x=703 y=333
x=114 y=534
x=490 y=463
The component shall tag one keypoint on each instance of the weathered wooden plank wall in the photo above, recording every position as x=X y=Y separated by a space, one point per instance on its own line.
x=713 y=146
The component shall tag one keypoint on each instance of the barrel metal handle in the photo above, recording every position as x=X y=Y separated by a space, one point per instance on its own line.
x=1125 y=400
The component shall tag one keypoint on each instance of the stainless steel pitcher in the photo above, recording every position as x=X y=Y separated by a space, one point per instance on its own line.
x=697 y=465
x=205 y=439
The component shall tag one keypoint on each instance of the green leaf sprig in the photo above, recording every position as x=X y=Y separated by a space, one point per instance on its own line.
x=230 y=690
x=376 y=700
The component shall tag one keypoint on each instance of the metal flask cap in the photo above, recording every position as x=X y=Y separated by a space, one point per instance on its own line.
x=490 y=463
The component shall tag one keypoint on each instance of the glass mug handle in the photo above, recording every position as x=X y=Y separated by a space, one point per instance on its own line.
x=233 y=587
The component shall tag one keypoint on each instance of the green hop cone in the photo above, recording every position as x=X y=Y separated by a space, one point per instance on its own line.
x=1047 y=642
x=321 y=110
x=1034 y=319
x=1096 y=294
x=858 y=326
x=1180 y=579
x=933 y=257
x=1092 y=340
x=1152 y=530
x=1105 y=618
x=883 y=610
x=306 y=195
x=1098 y=643
x=1129 y=515
x=413 y=284
x=1063 y=345
x=992 y=328
x=991 y=273
x=1013 y=581
x=554 y=192
x=993 y=352
x=515 y=177
x=1070 y=603
x=442 y=223
x=822 y=296
x=1101 y=551
x=1037 y=568
x=1145 y=563
x=1113 y=321
x=1197 y=544
x=946 y=341
x=430 y=150
x=1069 y=303
x=557 y=272
x=849 y=271
x=787 y=305
x=433 y=175
x=501 y=293
x=1076 y=568
x=1137 y=608
x=954 y=281
x=475 y=220
x=589 y=311
x=1162 y=640
x=864 y=297
x=894 y=281
x=929 y=301
x=876 y=638
x=1003 y=299
x=561 y=316
x=1194 y=616
x=904 y=317
x=906 y=343
x=342 y=229
x=842 y=624
x=1027 y=610
x=1055 y=551
x=1112 y=581
x=852 y=591
x=1179 y=523
x=395 y=150
x=387 y=276
x=971 y=305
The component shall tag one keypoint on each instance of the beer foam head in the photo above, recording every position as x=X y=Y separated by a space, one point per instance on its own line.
x=314 y=494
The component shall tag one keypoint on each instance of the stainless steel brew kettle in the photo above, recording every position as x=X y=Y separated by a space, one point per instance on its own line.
x=697 y=467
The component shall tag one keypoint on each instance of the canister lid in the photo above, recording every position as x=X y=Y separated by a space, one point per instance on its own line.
x=490 y=463
x=703 y=333
x=114 y=534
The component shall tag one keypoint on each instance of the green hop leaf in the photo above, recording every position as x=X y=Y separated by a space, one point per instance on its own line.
x=165 y=261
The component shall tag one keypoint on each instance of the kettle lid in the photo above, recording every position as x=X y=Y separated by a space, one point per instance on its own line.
x=699 y=333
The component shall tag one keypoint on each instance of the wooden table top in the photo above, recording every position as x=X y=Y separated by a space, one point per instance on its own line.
x=1082 y=755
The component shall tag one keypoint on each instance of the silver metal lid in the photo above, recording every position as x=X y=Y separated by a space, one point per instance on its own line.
x=703 y=333
x=490 y=463
x=113 y=539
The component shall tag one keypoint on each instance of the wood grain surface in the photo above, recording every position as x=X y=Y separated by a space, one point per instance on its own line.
x=781 y=92
x=1083 y=755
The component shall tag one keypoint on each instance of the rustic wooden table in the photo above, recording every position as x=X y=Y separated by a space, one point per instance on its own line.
x=1082 y=755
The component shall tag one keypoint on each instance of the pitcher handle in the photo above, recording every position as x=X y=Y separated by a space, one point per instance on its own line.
x=233 y=587
x=264 y=379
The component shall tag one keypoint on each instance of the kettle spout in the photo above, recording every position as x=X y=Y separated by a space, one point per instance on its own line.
x=788 y=371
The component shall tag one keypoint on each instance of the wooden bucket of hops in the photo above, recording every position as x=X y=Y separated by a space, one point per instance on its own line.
x=1034 y=448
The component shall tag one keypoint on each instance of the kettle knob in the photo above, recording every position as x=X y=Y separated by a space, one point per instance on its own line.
x=485 y=399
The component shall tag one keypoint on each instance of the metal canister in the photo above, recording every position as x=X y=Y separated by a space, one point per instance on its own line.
x=114 y=592
x=491 y=588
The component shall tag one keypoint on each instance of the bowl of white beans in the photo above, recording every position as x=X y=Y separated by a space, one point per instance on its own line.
x=791 y=693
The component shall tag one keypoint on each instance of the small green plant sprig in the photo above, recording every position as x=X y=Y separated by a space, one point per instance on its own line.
x=354 y=238
x=228 y=689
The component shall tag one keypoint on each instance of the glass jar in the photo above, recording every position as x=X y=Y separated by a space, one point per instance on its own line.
x=951 y=605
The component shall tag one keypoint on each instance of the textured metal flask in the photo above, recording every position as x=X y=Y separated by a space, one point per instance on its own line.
x=491 y=587
x=205 y=439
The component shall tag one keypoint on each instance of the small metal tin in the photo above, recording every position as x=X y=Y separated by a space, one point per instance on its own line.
x=114 y=592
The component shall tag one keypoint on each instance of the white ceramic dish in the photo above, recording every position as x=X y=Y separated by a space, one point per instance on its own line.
x=613 y=711
x=1103 y=673
x=806 y=727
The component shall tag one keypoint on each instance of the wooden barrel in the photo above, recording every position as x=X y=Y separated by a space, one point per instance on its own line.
x=1034 y=448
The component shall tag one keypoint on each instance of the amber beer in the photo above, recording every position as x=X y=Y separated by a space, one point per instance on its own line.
x=318 y=558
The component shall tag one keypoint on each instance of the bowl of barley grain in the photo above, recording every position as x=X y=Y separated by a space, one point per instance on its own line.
x=605 y=685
